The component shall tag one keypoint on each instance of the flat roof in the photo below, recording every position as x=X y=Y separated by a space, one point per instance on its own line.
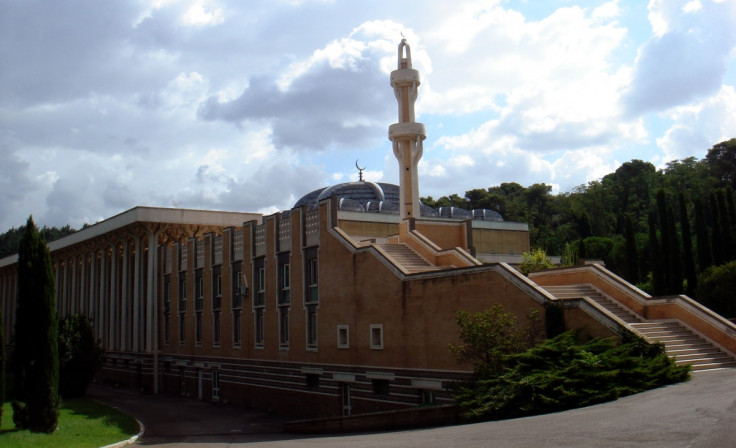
x=147 y=214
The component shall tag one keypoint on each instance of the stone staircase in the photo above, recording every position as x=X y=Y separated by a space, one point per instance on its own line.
x=406 y=257
x=686 y=346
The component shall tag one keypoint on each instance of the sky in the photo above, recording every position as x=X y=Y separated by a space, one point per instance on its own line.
x=247 y=106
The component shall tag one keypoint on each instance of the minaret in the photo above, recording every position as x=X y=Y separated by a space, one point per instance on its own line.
x=407 y=135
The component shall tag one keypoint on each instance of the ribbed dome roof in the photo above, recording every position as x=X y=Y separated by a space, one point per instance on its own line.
x=379 y=197
x=364 y=193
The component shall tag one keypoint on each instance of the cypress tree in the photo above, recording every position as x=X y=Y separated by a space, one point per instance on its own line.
x=675 y=277
x=728 y=241
x=657 y=278
x=705 y=255
x=719 y=255
x=687 y=246
x=664 y=230
x=35 y=357
x=632 y=257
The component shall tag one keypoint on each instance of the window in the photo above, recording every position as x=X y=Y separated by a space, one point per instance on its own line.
x=198 y=328
x=312 y=281
x=426 y=397
x=283 y=326
x=237 y=286
x=182 y=328
x=217 y=290
x=182 y=291
x=236 y=328
x=259 y=327
x=260 y=298
x=376 y=336
x=285 y=284
x=312 y=326
x=199 y=292
x=216 y=336
x=343 y=336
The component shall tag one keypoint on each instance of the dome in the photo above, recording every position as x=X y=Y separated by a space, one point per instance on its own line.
x=370 y=196
x=379 y=197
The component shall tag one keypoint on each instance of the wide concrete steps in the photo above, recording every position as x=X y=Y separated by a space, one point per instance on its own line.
x=407 y=258
x=680 y=342
x=579 y=291
x=686 y=346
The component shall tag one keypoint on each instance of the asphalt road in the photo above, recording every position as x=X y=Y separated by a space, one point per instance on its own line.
x=699 y=413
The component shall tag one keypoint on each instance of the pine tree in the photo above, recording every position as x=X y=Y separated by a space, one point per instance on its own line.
x=687 y=246
x=35 y=357
x=705 y=255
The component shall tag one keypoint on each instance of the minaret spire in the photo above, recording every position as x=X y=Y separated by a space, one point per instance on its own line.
x=407 y=135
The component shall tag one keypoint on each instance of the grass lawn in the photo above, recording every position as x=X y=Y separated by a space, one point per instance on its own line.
x=82 y=423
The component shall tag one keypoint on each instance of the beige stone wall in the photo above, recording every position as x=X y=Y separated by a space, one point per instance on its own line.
x=498 y=241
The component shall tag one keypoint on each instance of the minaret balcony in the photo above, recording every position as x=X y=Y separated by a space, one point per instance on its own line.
x=404 y=131
x=405 y=76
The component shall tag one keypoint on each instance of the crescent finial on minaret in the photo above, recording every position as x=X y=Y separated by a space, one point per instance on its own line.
x=360 y=171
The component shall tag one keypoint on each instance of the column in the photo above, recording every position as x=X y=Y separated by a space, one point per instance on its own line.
x=151 y=288
x=102 y=297
x=92 y=289
x=137 y=293
x=114 y=298
x=123 y=320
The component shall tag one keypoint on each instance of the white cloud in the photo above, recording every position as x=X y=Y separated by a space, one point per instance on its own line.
x=698 y=127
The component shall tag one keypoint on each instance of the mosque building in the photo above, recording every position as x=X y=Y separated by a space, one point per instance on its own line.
x=344 y=304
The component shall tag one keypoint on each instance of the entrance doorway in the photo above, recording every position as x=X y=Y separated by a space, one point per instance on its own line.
x=345 y=393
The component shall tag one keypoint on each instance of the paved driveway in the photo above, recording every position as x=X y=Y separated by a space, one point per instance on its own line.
x=699 y=413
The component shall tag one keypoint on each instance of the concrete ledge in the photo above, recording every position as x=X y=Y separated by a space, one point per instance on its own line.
x=421 y=417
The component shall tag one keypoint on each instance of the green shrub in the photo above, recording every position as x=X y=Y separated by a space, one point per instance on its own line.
x=80 y=357
x=715 y=289
x=536 y=260
x=561 y=374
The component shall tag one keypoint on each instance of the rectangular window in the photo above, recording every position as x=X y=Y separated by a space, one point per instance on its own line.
x=217 y=287
x=238 y=289
x=283 y=326
x=216 y=328
x=167 y=307
x=285 y=284
x=377 y=336
x=182 y=291
x=199 y=291
x=312 y=326
x=259 y=327
x=236 y=328
x=198 y=328
x=166 y=328
x=260 y=298
x=312 y=281
x=343 y=336
x=312 y=380
x=182 y=328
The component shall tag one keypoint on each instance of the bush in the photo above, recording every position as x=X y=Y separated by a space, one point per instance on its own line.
x=488 y=336
x=560 y=374
x=536 y=260
x=715 y=289
x=80 y=357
